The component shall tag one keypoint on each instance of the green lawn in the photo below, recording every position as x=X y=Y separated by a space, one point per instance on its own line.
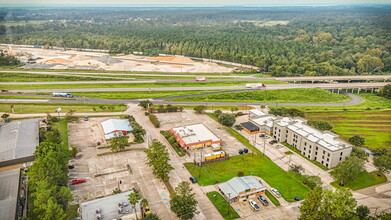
x=218 y=172
x=272 y=198
x=299 y=153
x=364 y=180
x=62 y=127
x=23 y=108
x=138 y=94
x=273 y=96
x=130 y=85
x=222 y=205
x=29 y=77
x=374 y=125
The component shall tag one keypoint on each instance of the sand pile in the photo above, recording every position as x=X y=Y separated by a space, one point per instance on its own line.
x=172 y=59
x=106 y=59
x=58 y=60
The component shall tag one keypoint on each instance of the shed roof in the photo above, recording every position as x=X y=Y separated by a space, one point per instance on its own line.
x=195 y=133
x=18 y=139
x=256 y=112
x=250 y=126
x=233 y=187
x=113 y=125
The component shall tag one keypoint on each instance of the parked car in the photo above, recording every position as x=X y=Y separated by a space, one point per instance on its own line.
x=193 y=179
x=272 y=142
x=77 y=181
x=275 y=192
x=71 y=166
x=296 y=198
x=262 y=135
x=254 y=205
x=147 y=211
x=86 y=118
x=263 y=200
x=279 y=145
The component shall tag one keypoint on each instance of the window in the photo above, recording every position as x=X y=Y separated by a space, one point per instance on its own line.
x=310 y=146
x=309 y=151
x=324 y=152
x=327 y=164
x=328 y=154
x=316 y=152
x=308 y=156
x=304 y=153
x=304 y=149
x=305 y=143
x=316 y=148
x=340 y=158
x=323 y=157
x=328 y=159
x=315 y=158
x=341 y=153
x=322 y=161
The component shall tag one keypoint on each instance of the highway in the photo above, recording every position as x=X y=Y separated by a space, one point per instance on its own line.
x=368 y=85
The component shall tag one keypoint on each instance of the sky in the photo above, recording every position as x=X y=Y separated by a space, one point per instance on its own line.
x=193 y=2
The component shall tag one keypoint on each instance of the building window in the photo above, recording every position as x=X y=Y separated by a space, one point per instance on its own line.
x=310 y=146
x=328 y=159
x=323 y=157
x=322 y=161
x=316 y=152
x=304 y=153
x=315 y=158
x=341 y=153
x=328 y=154
x=327 y=164
x=340 y=158
x=308 y=156
x=305 y=143
x=324 y=152
x=304 y=149
x=309 y=151
x=316 y=148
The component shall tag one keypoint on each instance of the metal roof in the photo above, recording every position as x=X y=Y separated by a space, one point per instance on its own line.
x=18 y=139
x=250 y=126
x=233 y=187
x=257 y=112
x=195 y=133
x=111 y=125
x=9 y=182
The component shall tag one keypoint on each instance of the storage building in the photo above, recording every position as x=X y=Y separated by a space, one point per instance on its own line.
x=113 y=127
x=195 y=136
x=240 y=188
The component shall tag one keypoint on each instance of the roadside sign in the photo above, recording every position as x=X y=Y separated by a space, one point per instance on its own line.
x=12 y=108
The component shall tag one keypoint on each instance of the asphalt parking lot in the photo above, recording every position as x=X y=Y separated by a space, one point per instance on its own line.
x=124 y=170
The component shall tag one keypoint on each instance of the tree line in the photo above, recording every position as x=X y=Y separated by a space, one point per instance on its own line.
x=318 y=42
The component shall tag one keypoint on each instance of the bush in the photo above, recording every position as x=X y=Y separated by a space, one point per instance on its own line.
x=98 y=143
x=155 y=121
x=239 y=114
x=218 y=113
x=240 y=173
x=321 y=125
x=199 y=108
x=227 y=119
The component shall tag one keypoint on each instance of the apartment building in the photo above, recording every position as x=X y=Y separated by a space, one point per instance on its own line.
x=324 y=147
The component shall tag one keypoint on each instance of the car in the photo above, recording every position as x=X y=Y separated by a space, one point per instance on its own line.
x=254 y=205
x=77 y=181
x=262 y=135
x=279 y=145
x=296 y=198
x=263 y=200
x=272 y=142
x=86 y=118
x=147 y=211
x=193 y=179
x=71 y=166
x=275 y=192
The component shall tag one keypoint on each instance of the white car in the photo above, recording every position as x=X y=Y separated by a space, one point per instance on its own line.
x=254 y=205
x=275 y=192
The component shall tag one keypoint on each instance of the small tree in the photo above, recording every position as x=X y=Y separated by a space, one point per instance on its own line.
x=199 y=109
x=296 y=168
x=151 y=216
x=102 y=107
x=362 y=212
x=143 y=203
x=379 y=152
x=347 y=171
x=119 y=142
x=321 y=125
x=5 y=117
x=234 y=109
x=183 y=203
x=133 y=199
x=312 y=181
x=218 y=113
x=358 y=152
x=157 y=157
x=238 y=127
x=386 y=91
x=145 y=104
x=356 y=140
x=383 y=163
x=227 y=119
x=73 y=150
x=111 y=108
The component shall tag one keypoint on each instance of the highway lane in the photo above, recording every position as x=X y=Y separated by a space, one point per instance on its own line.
x=238 y=87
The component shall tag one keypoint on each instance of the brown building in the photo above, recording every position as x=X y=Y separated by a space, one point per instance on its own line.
x=240 y=188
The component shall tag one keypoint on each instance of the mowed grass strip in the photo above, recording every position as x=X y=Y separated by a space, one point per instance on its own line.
x=222 y=206
x=374 y=126
x=274 y=96
x=364 y=180
x=23 y=108
x=138 y=94
x=250 y=164
x=130 y=85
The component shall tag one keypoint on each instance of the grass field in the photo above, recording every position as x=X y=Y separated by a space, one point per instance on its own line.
x=28 y=77
x=24 y=108
x=364 y=180
x=250 y=164
x=273 y=96
x=374 y=126
x=137 y=94
x=130 y=85
x=62 y=127
x=272 y=198
x=222 y=205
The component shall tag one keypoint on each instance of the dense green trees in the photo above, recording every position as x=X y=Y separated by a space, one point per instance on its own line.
x=315 y=42
x=348 y=170
x=48 y=178
x=6 y=60
x=321 y=125
x=357 y=140
x=158 y=158
x=119 y=142
x=227 y=119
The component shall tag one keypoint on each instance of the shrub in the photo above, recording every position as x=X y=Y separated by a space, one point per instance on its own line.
x=227 y=119
x=155 y=121
x=240 y=173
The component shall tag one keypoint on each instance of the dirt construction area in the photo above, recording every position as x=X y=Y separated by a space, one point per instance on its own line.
x=71 y=59
x=171 y=120
x=124 y=170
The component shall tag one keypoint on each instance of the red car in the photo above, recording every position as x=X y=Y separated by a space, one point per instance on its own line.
x=77 y=181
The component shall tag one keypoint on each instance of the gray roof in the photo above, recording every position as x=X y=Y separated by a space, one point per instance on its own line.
x=113 y=125
x=108 y=207
x=9 y=182
x=18 y=139
x=236 y=185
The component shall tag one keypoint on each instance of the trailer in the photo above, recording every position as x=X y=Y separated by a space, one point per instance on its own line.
x=59 y=94
x=255 y=85
x=200 y=79
x=214 y=155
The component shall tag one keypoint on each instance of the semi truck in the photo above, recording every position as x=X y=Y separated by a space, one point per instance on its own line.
x=59 y=94
x=255 y=85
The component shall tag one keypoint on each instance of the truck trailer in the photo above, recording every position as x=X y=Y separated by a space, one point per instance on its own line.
x=59 y=94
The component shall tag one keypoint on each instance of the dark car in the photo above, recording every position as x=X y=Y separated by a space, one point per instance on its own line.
x=71 y=166
x=77 y=181
x=262 y=135
x=263 y=200
x=193 y=180
x=296 y=198
x=272 y=142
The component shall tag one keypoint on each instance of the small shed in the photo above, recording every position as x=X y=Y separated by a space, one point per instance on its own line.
x=250 y=127
x=113 y=127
